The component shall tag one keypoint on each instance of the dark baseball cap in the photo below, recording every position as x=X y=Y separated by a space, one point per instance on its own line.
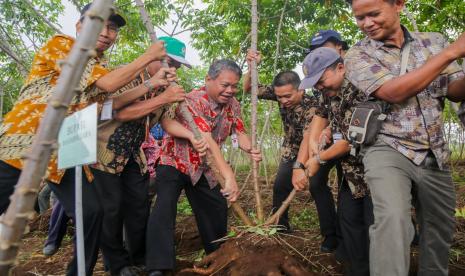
x=320 y=38
x=315 y=64
x=114 y=17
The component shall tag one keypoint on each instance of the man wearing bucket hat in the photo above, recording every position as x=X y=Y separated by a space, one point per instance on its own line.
x=121 y=171
x=324 y=70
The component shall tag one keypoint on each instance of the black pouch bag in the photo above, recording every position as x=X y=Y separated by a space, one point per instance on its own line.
x=369 y=116
x=366 y=122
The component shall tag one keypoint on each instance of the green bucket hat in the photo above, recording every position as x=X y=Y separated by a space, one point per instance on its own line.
x=175 y=49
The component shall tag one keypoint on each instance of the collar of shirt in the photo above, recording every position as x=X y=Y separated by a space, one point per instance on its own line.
x=378 y=44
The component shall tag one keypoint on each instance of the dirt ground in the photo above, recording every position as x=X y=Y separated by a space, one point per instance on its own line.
x=249 y=253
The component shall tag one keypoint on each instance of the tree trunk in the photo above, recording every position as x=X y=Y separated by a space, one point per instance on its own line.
x=22 y=202
x=273 y=220
x=254 y=77
x=188 y=116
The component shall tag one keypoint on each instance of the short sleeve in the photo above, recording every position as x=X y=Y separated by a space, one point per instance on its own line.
x=46 y=59
x=364 y=71
x=195 y=107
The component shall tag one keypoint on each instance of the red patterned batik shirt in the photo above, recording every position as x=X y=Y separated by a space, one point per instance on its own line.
x=221 y=120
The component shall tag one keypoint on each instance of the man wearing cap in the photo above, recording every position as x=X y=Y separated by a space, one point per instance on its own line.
x=319 y=188
x=18 y=129
x=121 y=172
x=410 y=157
x=296 y=109
x=326 y=72
x=329 y=38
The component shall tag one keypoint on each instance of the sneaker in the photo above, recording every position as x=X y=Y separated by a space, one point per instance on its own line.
x=49 y=250
x=329 y=244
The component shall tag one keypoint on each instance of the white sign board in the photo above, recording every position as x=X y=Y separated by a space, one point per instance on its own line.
x=77 y=139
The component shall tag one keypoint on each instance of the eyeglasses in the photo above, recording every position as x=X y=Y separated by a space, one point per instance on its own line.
x=112 y=28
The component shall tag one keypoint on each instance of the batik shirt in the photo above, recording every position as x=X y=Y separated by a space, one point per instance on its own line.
x=338 y=110
x=296 y=121
x=21 y=123
x=220 y=120
x=414 y=126
x=117 y=141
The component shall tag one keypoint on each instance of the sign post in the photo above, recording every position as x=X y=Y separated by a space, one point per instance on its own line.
x=77 y=146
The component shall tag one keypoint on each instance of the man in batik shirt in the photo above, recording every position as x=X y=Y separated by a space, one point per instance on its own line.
x=354 y=209
x=296 y=109
x=217 y=114
x=121 y=172
x=410 y=156
x=21 y=123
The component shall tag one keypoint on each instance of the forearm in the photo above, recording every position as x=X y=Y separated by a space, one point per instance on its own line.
x=139 y=109
x=119 y=77
x=456 y=90
x=317 y=126
x=245 y=142
x=176 y=129
x=338 y=149
x=303 y=154
x=401 y=88
x=128 y=97
x=247 y=82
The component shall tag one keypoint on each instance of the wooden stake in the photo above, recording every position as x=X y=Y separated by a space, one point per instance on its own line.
x=22 y=202
x=188 y=116
x=254 y=78
x=274 y=219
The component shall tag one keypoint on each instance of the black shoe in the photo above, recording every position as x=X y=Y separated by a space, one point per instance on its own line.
x=128 y=271
x=49 y=250
x=329 y=244
x=155 y=273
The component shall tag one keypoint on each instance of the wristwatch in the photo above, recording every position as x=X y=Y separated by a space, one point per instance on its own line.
x=317 y=157
x=298 y=165
x=149 y=85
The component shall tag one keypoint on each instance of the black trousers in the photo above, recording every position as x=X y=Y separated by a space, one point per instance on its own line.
x=92 y=216
x=355 y=217
x=321 y=193
x=124 y=198
x=8 y=178
x=319 y=190
x=209 y=207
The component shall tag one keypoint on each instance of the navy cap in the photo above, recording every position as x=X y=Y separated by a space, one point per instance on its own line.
x=320 y=38
x=315 y=64
x=114 y=17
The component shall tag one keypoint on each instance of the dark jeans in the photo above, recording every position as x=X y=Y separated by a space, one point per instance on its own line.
x=321 y=193
x=209 y=207
x=124 y=198
x=58 y=224
x=8 y=177
x=355 y=217
x=92 y=216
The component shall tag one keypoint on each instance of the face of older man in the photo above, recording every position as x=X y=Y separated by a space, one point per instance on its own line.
x=224 y=87
x=378 y=19
x=107 y=36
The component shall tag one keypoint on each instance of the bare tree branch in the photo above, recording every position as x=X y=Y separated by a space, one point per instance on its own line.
x=179 y=18
x=42 y=17
x=5 y=47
